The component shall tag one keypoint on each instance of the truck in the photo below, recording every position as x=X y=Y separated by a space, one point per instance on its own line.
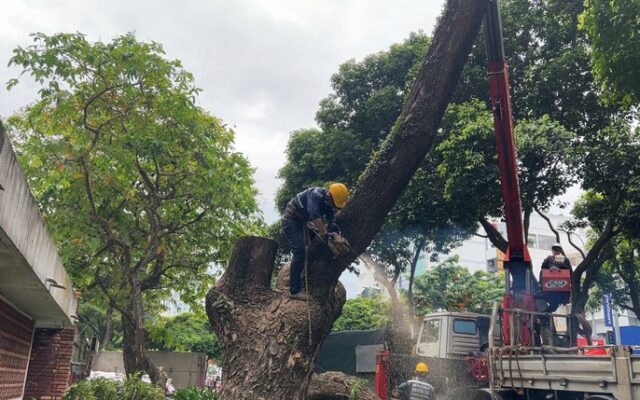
x=514 y=353
x=468 y=359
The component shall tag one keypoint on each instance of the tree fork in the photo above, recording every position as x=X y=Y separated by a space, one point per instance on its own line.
x=264 y=334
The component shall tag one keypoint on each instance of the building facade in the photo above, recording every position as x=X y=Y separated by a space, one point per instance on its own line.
x=37 y=300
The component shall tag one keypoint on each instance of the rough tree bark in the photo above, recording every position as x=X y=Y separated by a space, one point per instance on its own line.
x=108 y=329
x=338 y=386
x=269 y=351
x=134 y=337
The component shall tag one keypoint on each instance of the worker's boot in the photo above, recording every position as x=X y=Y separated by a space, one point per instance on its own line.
x=301 y=295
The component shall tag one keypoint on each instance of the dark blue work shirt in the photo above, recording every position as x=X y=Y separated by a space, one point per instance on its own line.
x=310 y=204
x=417 y=390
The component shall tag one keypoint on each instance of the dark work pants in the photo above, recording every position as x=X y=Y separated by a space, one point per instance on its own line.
x=294 y=231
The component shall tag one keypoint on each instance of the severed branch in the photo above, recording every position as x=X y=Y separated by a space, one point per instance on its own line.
x=494 y=236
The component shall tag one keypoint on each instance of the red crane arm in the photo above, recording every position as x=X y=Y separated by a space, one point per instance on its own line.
x=505 y=140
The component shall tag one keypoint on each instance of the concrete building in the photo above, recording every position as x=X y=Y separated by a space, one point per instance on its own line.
x=37 y=302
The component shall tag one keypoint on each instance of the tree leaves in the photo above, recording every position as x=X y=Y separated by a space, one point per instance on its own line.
x=613 y=28
x=449 y=286
x=136 y=182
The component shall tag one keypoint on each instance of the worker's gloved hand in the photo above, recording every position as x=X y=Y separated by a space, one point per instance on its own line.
x=338 y=246
x=555 y=269
x=333 y=227
x=334 y=236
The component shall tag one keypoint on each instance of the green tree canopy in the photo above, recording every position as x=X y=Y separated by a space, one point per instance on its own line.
x=141 y=188
x=184 y=332
x=449 y=286
x=613 y=28
x=363 y=313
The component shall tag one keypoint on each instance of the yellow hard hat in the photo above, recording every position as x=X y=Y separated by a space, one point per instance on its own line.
x=339 y=193
x=422 y=368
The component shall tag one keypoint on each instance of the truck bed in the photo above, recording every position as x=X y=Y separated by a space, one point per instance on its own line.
x=617 y=374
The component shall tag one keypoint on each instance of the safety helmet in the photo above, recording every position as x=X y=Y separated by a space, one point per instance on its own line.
x=339 y=193
x=556 y=246
x=422 y=368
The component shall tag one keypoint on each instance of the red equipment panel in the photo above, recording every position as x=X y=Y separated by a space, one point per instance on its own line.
x=556 y=281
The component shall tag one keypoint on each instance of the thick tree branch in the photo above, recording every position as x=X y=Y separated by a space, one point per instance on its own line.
x=413 y=134
x=575 y=246
x=553 y=229
x=495 y=237
x=250 y=266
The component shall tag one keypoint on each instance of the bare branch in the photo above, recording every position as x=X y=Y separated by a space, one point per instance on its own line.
x=553 y=229
x=575 y=246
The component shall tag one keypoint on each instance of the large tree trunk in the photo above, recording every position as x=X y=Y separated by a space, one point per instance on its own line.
x=419 y=243
x=134 y=335
x=108 y=329
x=269 y=350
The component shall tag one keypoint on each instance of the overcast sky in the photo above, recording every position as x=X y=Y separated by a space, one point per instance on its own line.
x=263 y=65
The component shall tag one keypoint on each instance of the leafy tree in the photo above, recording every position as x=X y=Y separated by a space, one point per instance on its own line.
x=96 y=323
x=555 y=98
x=363 y=313
x=451 y=287
x=549 y=66
x=612 y=27
x=608 y=170
x=620 y=276
x=184 y=332
x=140 y=187
x=366 y=101
x=260 y=329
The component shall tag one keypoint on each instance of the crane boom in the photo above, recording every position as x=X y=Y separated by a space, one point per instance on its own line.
x=518 y=293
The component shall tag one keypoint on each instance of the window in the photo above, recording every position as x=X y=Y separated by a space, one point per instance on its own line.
x=430 y=331
x=545 y=242
x=465 y=326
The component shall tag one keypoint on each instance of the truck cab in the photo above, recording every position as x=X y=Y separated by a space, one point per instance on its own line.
x=454 y=335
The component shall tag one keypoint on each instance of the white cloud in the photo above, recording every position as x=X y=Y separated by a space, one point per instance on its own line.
x=263 y=65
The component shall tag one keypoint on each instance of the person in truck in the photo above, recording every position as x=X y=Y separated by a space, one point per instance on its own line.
x=418 y=388
x=556 y=261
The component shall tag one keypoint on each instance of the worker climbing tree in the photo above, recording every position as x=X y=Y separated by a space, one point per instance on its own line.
x=264 y=335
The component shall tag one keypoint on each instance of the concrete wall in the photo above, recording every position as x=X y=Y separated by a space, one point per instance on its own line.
x=186 y=369
x=28 y=255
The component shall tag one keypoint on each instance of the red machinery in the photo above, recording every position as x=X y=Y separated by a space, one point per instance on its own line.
x=519 y=285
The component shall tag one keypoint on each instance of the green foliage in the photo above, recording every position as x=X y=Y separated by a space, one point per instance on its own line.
x=82 y=390
x=613 y=28
x=93 y=321
x=103 y=389
x=188 y=332
x=140 y=187
x=620 y=276
x=362 y=313
x=124 y=164
x=354 y=119
x=451 y=287
x=357 y=388
x=135 y=389
x=549 y=66
x=195 y=393
x=610 y=174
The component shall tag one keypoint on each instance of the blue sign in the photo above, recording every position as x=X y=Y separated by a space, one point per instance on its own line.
x=608 y=314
